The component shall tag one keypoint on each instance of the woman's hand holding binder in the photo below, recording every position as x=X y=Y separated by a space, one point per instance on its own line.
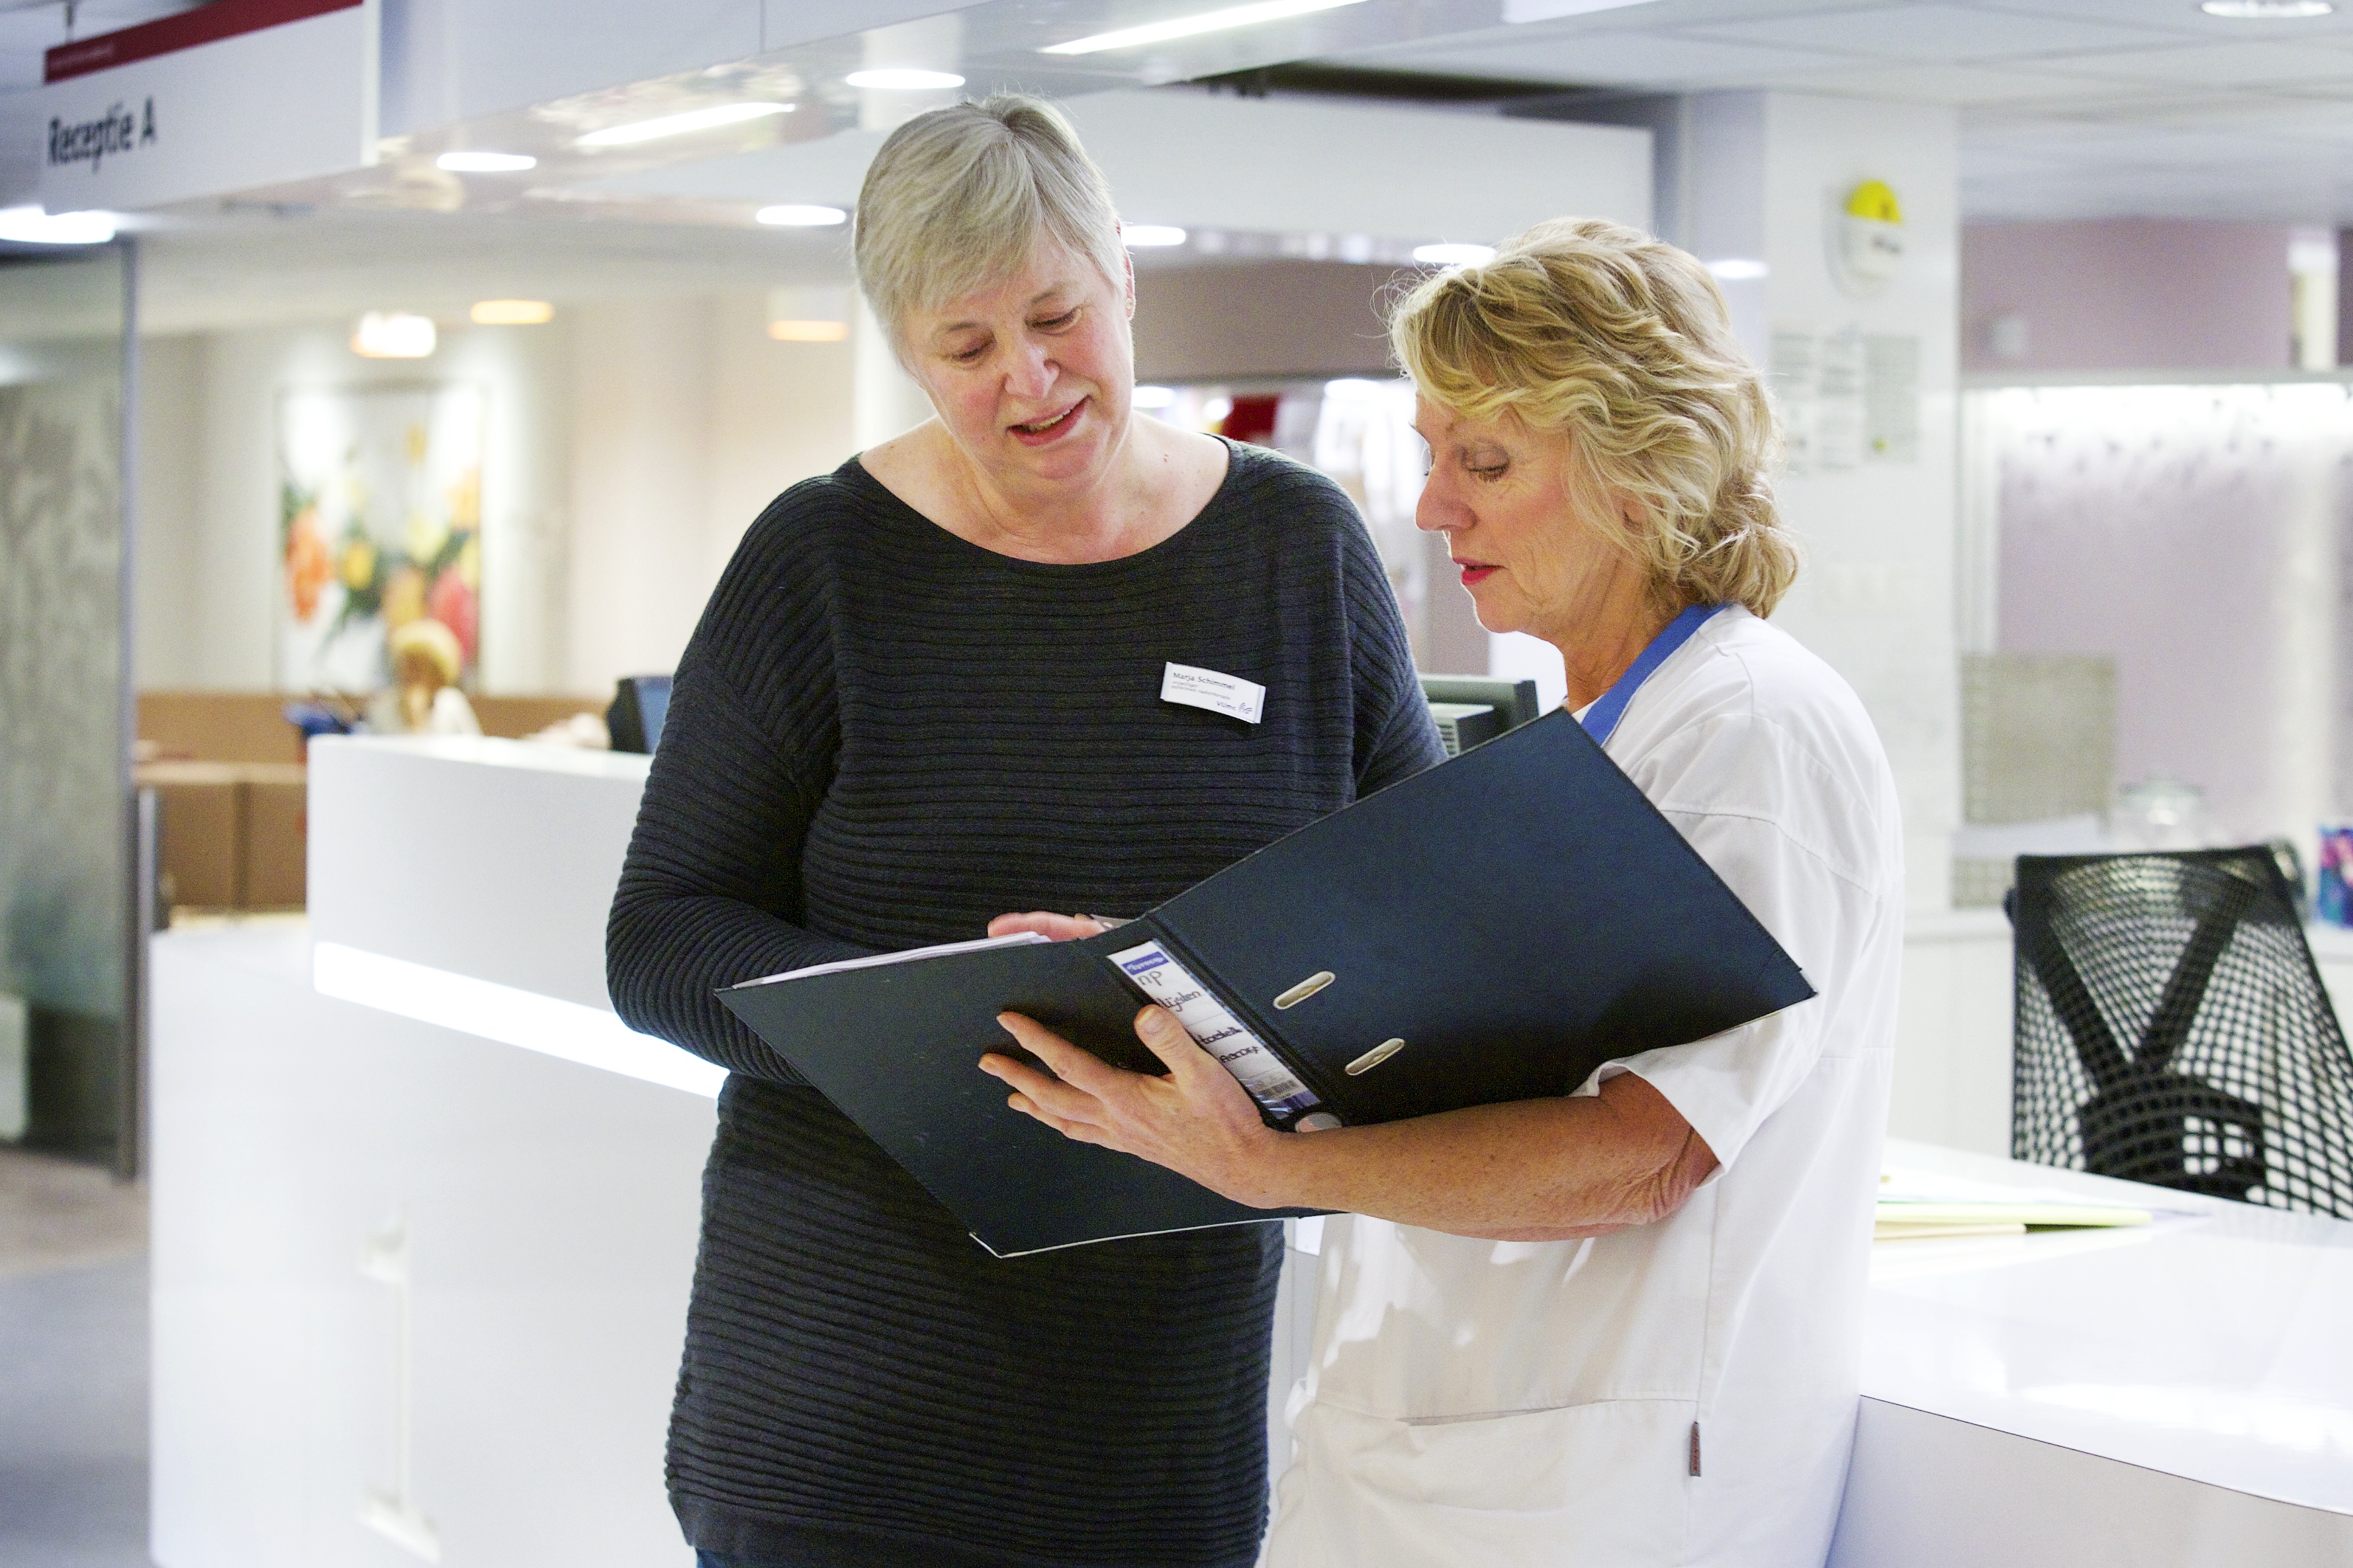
x=1198 y=1121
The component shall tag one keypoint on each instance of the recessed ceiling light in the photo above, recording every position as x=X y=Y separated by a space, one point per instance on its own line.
x=1144 y=236
x=1187 y=27
x=683 y=125
x=791 y=215
x=510 y=312
x=392 y=334
x=904 y=78
x=486 y=162
x=1453 y=255
x=2266 y=10
x=31 y=226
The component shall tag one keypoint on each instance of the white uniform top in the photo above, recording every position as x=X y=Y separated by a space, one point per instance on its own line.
x=1514 y=1404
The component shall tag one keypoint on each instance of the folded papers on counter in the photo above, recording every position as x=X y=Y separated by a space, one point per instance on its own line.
x=1919 y=1207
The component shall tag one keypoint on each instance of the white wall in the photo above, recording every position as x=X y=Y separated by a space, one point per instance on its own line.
x=686 y=421
x=629 y=445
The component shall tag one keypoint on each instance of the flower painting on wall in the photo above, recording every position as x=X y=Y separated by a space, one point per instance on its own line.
x=380 y=524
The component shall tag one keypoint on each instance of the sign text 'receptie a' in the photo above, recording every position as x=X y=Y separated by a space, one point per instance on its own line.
x=92 y=141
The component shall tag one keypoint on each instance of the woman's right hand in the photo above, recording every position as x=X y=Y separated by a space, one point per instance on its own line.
x=1052 y=927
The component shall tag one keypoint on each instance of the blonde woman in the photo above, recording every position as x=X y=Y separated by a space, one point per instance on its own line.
x=1620 y=1326
x=930 y=690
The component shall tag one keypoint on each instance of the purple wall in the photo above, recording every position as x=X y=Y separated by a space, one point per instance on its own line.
x=2128 y=294
x=2169 y=527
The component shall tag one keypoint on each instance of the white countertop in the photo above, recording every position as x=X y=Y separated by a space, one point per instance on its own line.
x=2213 y=1345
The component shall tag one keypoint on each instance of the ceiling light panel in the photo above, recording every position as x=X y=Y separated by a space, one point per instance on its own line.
x=2268 y=10
x=392 y=334
x=684 y=124
x=510 y=312
x=903 y=79
x=486 y=162
x=796 y=214
x=1194 y=25
x=31 y=226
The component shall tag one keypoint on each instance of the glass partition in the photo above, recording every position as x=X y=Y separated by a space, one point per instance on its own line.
x=64 y=814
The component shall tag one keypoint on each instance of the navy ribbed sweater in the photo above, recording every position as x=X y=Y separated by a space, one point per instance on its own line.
x=882 y=736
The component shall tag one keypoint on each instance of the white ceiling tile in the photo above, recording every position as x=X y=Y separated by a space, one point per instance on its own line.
x=2239 y=64
x=1937 y=34
x=1951 y=84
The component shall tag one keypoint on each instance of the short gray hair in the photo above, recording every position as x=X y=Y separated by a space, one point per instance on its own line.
x=958 y=197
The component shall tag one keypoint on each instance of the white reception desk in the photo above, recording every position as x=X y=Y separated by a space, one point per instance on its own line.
x=425 y=1221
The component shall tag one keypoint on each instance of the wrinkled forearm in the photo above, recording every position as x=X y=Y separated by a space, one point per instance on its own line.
x=1537 y=1170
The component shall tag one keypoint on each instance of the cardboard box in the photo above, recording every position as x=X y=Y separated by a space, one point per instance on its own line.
x=275 y=840
x=232 y=833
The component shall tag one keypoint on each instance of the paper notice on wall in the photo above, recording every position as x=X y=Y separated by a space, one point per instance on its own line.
x=1839 y=401
x=1796 y=378
x=1891 y=398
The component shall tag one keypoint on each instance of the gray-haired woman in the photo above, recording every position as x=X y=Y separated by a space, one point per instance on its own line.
x=928 y=691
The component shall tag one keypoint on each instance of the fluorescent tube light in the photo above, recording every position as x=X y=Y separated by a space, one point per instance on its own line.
x=392 y=334
x=31 y=226
x=1146 y=235
x=1518 y=11
x=486 y=1010
x=1187 y=27
x=810 y=332
x=792 y=215
x=694 y=119
x=2266 y=10
x=1153 y=397
x=510 y=312
x=1454 y=255
x=904 y=78
x=486 y=162
x=1738 y=269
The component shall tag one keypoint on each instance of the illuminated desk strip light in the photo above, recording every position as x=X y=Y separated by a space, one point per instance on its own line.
x=548 y=1025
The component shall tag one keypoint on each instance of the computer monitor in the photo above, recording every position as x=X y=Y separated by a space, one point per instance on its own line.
x=1469 y=709
x=636 y=716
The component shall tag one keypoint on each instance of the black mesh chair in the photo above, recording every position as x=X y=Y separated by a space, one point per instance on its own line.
x=2172 y=1029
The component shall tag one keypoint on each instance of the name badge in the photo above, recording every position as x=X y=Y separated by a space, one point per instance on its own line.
x=1228 y=694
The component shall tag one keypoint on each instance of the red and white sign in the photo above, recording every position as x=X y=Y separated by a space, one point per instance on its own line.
x=229 y=97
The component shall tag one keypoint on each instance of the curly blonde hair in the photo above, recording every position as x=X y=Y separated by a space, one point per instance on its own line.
x=1622 y=343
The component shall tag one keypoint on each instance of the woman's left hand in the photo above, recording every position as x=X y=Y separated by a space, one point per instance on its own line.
x=1198 y=1120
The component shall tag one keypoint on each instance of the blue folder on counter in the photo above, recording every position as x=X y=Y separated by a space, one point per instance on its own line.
x=1491 y=930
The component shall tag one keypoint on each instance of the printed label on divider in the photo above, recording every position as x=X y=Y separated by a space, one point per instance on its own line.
x=1215 y=1030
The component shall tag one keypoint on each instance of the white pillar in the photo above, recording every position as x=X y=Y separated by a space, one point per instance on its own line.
x=638 y=559
x=884 y=399
x=1868 y=375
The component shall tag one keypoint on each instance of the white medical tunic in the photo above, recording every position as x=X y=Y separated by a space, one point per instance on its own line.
x=1679 y=1393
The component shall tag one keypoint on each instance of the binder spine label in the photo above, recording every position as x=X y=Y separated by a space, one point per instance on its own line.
x=1215 y=1030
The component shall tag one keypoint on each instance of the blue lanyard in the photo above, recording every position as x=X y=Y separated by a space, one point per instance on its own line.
x=1600 y=720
